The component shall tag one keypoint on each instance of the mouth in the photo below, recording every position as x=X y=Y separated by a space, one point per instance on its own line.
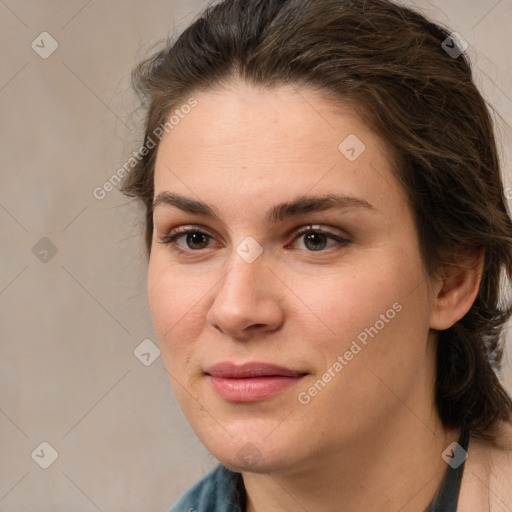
x=251 y=382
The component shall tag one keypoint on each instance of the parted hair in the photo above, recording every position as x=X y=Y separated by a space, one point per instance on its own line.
x=392 y=65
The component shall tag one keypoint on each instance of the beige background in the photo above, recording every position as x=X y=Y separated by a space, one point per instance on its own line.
x=69 y=325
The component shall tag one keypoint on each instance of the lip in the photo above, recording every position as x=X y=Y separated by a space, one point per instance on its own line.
x=251 y=382
x=230 y=370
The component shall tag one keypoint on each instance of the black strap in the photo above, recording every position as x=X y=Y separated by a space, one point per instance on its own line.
x=447 y=494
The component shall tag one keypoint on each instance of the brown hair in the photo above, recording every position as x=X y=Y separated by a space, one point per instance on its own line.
x=390 y=63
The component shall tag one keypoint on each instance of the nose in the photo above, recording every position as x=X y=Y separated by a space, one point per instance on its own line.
x=248 y=300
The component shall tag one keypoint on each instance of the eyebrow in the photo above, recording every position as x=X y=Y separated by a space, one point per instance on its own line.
x=295 y=208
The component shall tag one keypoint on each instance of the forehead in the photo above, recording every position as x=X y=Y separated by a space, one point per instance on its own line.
x=241 y=118
x=263 y=142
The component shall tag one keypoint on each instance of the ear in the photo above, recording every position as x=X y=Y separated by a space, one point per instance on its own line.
x=456 y=290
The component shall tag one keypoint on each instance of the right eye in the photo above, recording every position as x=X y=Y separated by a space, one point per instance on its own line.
x=191 y=238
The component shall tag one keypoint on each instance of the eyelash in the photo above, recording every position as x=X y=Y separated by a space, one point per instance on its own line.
x=182 y=231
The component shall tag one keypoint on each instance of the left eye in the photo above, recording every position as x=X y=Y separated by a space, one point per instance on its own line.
x=316 y=240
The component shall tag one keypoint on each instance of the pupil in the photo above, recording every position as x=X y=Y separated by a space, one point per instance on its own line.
x=196 y=239
x=317 y=240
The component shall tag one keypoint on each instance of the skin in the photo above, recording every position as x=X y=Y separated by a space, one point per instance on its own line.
x=371 y=439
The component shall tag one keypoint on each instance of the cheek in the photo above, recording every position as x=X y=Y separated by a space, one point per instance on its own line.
x=377 y=324
x=176 y=310
x=380 y=307
x=348 y=300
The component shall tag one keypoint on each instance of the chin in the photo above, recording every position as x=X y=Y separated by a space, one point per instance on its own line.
x=252 y=453
x=251 y=459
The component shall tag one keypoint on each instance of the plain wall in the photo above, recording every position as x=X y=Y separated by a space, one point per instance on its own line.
x=70 y=321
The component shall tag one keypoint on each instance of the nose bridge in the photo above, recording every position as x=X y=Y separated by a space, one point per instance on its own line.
x=245 y=296
x=244 y=279
x=247 y=263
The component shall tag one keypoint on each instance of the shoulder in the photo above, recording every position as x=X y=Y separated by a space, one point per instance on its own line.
x=501 y=468
x=218 y=491
x=487 y=481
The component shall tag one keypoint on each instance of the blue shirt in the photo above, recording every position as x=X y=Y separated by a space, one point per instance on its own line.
x=220 y=490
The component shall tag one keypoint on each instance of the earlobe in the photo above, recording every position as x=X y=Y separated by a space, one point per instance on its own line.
x=456 y=291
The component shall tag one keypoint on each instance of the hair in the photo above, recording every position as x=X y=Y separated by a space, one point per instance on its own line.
x=389 y=63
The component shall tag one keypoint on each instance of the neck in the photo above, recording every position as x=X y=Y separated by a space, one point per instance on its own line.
x=392 y=467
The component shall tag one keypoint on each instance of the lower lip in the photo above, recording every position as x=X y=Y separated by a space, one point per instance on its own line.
x=253 y=389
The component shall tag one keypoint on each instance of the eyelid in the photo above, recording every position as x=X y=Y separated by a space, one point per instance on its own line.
x=320 y=229
x=189 y=228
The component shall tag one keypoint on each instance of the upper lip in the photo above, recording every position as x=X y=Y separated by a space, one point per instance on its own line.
x=230 y=370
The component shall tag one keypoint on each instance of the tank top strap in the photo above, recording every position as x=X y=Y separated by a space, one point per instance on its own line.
x=447 y=495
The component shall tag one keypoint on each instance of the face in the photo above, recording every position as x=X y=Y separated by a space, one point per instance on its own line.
x=285 y=280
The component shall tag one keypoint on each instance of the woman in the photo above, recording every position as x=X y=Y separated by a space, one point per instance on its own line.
x=329 y=246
